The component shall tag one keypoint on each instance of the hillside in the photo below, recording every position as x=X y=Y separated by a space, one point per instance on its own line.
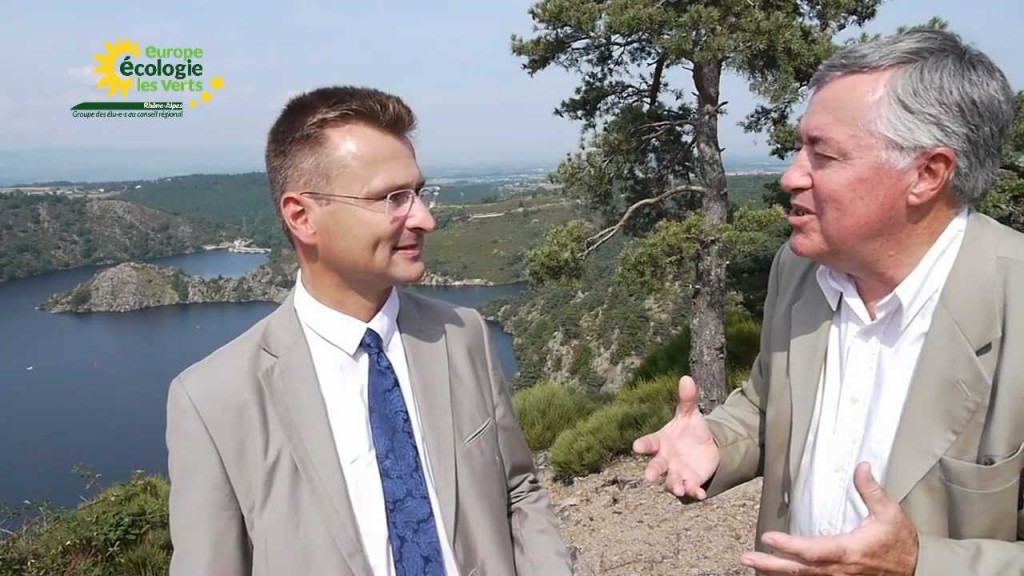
x=243 y=200
x=39 y=233
x=592 y=334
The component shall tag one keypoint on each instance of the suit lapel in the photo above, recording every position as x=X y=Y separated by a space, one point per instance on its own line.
x=811 y=318
x=949 y=382
x=426 y=351
x=291 y=385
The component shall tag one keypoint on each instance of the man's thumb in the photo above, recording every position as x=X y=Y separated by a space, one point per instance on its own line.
x=870 y=490
x=688 y=396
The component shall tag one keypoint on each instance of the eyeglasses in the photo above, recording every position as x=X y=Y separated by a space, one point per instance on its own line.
x=398 y=203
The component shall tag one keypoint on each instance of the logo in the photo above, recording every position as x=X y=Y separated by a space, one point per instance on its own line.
x=174 y=76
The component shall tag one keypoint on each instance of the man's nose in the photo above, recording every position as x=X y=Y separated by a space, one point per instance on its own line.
x=420 y=217
x=797 y=176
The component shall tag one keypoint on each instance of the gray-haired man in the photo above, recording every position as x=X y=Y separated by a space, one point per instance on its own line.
x=884 y=408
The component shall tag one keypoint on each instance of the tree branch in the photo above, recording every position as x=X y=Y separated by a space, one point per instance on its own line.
x=659 y=128
x=604 y=235
x=659 y=68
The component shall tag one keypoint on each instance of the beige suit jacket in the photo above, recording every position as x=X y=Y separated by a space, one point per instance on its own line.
x=957 y=458
x=256 y=486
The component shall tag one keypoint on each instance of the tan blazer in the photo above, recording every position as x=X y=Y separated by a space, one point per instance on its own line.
x=957 y=459
x=256 y=486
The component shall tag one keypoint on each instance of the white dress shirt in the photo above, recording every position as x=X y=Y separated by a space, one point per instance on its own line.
x=863 y=386
x=342 y=369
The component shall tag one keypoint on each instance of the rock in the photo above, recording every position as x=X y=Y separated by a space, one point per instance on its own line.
x=135 y=285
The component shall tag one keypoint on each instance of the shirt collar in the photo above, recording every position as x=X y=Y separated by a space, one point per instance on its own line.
x=923 y=282
x=339 y=329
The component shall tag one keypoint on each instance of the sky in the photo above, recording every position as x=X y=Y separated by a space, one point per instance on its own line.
x=450 y=60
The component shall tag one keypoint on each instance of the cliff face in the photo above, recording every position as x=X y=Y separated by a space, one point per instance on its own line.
x=592 y=336
x=134 y=286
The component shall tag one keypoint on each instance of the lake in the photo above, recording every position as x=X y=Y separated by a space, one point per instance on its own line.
x=91 y=389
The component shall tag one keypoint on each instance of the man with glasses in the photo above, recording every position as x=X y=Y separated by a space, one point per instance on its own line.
x=358 y=429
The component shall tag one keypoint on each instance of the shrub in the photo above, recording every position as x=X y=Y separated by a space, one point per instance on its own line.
x=608 y=432
x=122 y=532
x=742 y=340
x=545 y=410
x=80 y=296
x=672 y=357
x=661 y=391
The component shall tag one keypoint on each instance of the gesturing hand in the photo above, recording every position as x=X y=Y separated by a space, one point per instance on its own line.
x=884 y=544
x=684 y=450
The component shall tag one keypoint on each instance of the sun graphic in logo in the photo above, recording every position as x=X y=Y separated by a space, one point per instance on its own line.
x=110 y=78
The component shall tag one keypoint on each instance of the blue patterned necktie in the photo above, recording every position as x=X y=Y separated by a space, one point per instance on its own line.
x=415 y=546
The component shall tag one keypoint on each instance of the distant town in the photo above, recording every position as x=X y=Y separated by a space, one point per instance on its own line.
x=240 y=245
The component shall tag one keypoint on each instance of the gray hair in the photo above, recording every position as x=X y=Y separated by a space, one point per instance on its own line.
x=943 y=93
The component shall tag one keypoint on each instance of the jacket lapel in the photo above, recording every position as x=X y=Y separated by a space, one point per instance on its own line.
x=811 y=318
x=291 y=385
x=426 y=351
x=949 y=382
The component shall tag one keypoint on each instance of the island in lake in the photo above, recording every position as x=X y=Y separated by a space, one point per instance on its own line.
x=137 y=285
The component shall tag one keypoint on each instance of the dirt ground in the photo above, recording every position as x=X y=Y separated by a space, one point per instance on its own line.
x=617 y=525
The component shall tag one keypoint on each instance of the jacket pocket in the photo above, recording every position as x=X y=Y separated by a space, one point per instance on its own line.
x=983 y=499
x=479 y=431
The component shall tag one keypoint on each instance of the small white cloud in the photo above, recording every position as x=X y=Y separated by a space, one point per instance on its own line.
x=83 y=75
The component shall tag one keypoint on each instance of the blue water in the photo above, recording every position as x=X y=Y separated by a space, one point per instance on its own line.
x=91 y=389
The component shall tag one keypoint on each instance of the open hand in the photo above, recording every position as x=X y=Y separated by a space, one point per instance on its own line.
x=684 y=450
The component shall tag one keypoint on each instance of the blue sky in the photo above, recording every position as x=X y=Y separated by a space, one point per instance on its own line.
x=450 y=60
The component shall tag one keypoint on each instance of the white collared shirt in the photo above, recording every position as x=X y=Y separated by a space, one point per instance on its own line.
x=863 y=386
x=342 y=370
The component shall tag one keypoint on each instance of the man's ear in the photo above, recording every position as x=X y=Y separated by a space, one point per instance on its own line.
x=934 y=171
x=296 y=211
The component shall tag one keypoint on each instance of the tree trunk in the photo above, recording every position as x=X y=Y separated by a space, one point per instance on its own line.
x=707 y=320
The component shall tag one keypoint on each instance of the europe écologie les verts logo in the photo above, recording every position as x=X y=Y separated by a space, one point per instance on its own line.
x=173 y=77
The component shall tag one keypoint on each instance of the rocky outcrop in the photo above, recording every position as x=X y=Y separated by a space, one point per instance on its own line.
x=134 y=286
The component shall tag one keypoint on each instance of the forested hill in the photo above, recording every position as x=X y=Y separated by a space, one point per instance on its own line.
x=240 y=200
x=44 y=232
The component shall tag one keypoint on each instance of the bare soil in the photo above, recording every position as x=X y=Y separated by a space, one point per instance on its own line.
x=618 y=525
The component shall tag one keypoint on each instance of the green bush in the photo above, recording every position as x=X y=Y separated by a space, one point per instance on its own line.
x=742 y=340
x=661 y=391
x=121 y=532
x=672 y=357
x=80 y=296
x=545 y=410
x=608 y=432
